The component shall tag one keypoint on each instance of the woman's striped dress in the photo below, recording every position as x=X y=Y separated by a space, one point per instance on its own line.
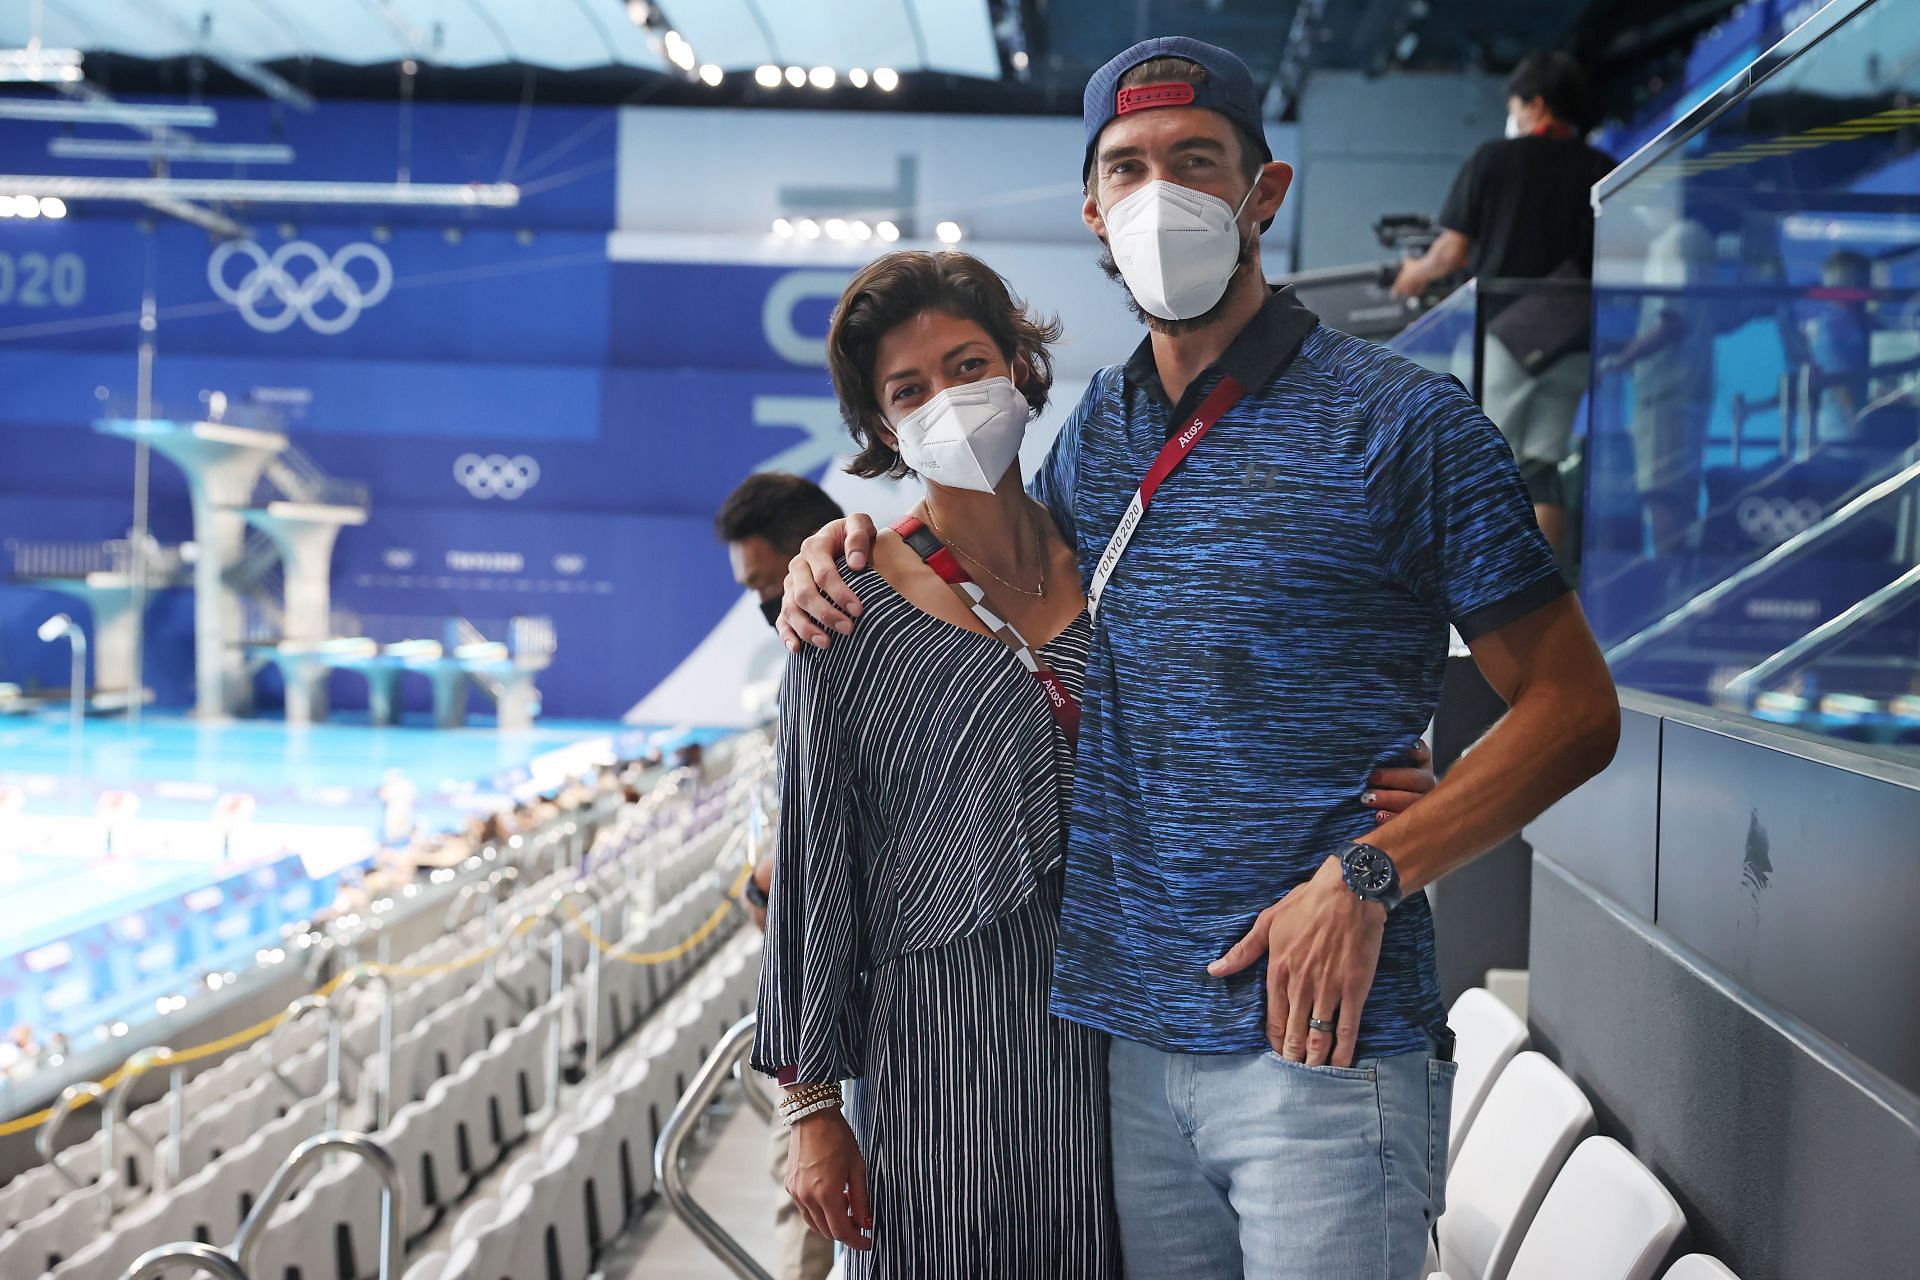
x=924 y=796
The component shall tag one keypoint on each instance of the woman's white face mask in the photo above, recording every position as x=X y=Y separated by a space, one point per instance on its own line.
x=965 y=437
x=1176 y=247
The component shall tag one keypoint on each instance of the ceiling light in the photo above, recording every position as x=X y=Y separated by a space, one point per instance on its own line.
x=767 y=76
x=34 y=64
x=783 y=228
x=712 y=75
x=821 y=77
x=888 y=232
x=860 y=230
x=886 y=79
x=1020 y=60
x=796 y=76
x=26 y=207
x=6 y=206
x=53 y=207
x=808 y=229
x=836 y=228
x=857 y=77
x=949 y=232
x=679 y=52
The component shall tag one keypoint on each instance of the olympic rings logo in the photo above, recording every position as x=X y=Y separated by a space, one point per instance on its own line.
x=496 y=475
x=296 y=295
x=1769 y=521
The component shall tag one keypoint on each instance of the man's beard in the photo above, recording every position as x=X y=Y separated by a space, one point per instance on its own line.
x=1174 y=328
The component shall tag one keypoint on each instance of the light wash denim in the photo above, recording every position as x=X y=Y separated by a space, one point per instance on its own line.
x=1247 y=1165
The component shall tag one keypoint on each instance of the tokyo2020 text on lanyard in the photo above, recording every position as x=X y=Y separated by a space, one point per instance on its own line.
x=1225 y=394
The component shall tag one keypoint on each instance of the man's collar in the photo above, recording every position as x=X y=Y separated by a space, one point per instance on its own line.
x=1257 y=353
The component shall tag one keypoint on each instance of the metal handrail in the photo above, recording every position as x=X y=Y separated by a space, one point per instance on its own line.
x=287 y=1178
x=363 y=973
x=667 y=1173
x=204 y=1258
x=548 y=917
x=297 y=1010
x=70 y=1099
x=596 y=916
x=136 y=1066
x=1819 y=531
x=1896 y=593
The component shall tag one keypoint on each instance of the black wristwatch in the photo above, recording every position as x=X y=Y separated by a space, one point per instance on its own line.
x=753 y=893
x=1370 y=873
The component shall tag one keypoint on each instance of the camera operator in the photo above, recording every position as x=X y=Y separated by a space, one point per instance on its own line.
x=1520 y=210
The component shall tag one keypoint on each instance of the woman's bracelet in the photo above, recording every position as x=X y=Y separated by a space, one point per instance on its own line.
x=801 y=1113
x=807 y=1094
x=808 y=1098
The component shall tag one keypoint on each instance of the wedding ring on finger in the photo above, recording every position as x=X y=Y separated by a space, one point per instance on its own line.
x=1318 y=1024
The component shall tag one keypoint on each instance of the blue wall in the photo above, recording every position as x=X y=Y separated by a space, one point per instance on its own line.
x=630 y=385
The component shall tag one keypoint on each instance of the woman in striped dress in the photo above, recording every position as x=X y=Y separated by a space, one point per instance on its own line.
x=926 y=768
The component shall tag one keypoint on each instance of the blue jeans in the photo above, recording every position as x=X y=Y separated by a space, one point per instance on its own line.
x=1247 y=1165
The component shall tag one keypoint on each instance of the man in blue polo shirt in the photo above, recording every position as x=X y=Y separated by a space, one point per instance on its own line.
x=1262 y=954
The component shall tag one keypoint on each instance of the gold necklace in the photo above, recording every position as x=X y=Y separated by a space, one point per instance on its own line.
x=1039 y=552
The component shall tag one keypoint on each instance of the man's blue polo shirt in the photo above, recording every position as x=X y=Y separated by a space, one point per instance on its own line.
x=1276 y=631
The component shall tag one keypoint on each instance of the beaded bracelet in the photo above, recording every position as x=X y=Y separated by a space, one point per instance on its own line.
x=796 y=1098
x=801 y=1113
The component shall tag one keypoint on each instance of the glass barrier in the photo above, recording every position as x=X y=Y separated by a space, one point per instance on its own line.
x=1443 y=337
x=1752 y=528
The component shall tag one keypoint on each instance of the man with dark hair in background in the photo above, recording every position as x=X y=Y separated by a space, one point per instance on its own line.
x=1520 y=209
x=763 y=522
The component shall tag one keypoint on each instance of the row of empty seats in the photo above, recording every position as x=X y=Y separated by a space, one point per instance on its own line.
x=470 y=1056
x=1534 y=1193
x=562 y=1203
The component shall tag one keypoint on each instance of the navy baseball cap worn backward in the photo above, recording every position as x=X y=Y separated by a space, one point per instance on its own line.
x=1228 y=89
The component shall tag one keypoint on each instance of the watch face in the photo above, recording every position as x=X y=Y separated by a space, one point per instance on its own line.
x=1372 y=870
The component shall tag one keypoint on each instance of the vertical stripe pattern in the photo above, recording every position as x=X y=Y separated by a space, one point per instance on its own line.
x=924 y=793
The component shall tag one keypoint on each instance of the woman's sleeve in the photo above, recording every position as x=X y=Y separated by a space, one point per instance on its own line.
x=810 y=1024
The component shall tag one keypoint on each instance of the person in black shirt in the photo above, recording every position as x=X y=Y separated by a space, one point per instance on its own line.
x=1520 y=210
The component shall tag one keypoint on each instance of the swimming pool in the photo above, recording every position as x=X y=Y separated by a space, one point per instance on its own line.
x=150 y=856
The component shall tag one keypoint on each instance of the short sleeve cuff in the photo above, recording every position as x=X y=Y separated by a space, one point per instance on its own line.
x=1491 y=617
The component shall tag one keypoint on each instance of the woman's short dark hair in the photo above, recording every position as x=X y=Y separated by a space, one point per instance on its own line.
x=1555 y=78
x=892 y=290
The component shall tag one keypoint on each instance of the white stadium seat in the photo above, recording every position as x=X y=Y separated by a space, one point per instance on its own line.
x=56 y=1233
x=1532 y=1118
x=1487 y=1034
x=1605 y=1218
x=1699 y=1266
x=428 y=1266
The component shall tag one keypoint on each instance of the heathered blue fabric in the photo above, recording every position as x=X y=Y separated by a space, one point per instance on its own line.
x=1276 y=631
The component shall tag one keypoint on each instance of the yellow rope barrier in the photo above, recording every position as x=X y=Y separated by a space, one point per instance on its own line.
x=248 y=1034
x=692 y=940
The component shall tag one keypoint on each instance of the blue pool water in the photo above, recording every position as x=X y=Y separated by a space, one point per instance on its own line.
x=98 y=918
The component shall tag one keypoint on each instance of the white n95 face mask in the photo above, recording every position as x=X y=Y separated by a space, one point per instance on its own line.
x=1176 y=247
x=966 y=437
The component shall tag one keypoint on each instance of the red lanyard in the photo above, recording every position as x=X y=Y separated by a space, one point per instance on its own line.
x=1225 y=394
x=1060 y=700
